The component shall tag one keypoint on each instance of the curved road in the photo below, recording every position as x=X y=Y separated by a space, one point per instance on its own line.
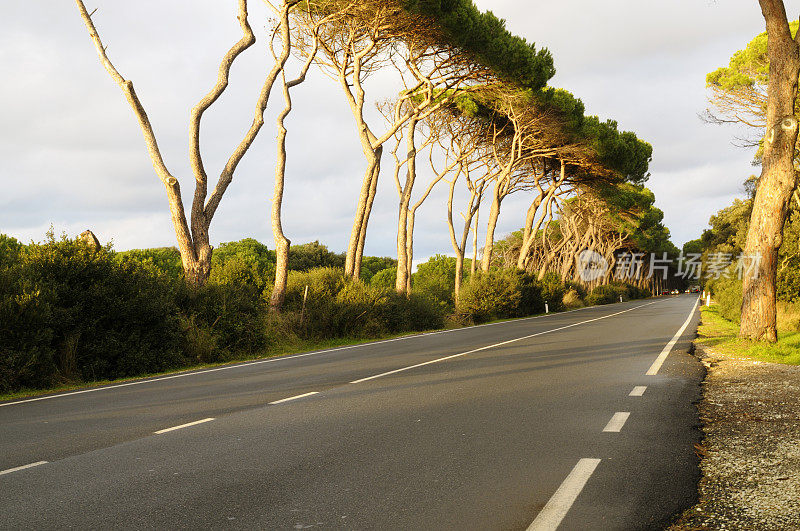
x=535 y=423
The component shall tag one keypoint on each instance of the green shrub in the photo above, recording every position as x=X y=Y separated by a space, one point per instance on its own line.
x=99 y=317
x=27 y=356
x=230 y=309
x=251 y=262
x=727 y=293
x=572 y=299
x=313 y=255
x=339 y=307
x=634 y=292
x=490 y=295
x=385 y=278
x=372 y=265
x=788 y=281
x=415 y=313
x=167 y=260
x=323 y=315
x=605 y=294
x=553 y=290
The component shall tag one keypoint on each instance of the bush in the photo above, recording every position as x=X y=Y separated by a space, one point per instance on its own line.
x=384 y=279
x=610 y=293
x=27 y=356
x=491 y=295
x=553 y=290
x=572 y=299
x=339 y=307
x=334 y=305
x=727 y=293
x=225 y=319
x=605 y=294
x=166 y=260
x=415 y=313
x=98 y=317
x=436 y=278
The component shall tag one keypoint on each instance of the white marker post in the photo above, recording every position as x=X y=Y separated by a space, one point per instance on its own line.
x=708 y=299
x=546 y=307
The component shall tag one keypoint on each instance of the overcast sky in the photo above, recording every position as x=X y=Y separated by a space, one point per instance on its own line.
x=71 y=153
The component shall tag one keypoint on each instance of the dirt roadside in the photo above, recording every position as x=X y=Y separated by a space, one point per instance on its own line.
x=750 y=454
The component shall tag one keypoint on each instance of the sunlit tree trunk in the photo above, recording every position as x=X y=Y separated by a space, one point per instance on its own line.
x=778 y=178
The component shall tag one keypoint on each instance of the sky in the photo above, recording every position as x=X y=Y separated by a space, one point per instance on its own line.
x=72 y=156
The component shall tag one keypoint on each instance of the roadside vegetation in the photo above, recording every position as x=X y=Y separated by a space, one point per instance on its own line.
x=721 y=335
x=71 y=313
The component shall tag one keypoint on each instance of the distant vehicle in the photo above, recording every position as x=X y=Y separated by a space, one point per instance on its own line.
x=675 y=292
x=695 y=289
x=665 y=292
x=688 y=290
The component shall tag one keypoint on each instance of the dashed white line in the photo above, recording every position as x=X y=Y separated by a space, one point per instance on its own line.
x=23 y=467
x=617 y=421
x=559 y=504
x=653 y=370
x=281 y=401
x=195 y=423
x=638 y=390
x=487 y=347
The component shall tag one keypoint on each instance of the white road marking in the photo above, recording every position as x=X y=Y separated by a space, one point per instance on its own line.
x=23 y=467
x=559 y=504
x=664 y=353
x=195 y=423
x=617 y=421
x=487 y=347
x=638 y=390
x=279 y=358
x=281 y=401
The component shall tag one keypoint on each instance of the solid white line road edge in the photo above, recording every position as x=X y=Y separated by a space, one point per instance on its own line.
x=638 y=390
x=617 y=422
x=23 y=467
x=282 y=400
x=653 y=370
x=284 y=358
x=487 y=347
x=559 y=504
x=195 y=423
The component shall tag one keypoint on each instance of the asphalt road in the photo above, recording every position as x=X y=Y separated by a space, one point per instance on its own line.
x=526 y=421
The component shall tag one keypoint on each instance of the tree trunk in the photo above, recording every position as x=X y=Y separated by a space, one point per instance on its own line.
x=361 y=207
x=778 y=178
x=281 y=242
x=402 y=279
x=494 y=214
x=473 y=267
x=362 y=233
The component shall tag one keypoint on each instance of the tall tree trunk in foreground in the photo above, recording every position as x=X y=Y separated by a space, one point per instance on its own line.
x=778 y=178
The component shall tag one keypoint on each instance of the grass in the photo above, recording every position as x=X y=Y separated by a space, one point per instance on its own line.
x=721 y=335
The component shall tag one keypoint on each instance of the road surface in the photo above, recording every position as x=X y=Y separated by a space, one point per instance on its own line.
x=532 y=423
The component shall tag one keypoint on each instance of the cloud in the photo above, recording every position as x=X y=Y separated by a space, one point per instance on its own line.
x=72 y=153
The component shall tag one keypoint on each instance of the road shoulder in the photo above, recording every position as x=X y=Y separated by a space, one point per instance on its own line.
x=750 y=454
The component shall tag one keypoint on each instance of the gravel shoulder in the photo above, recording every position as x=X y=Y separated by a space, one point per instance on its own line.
x=750 y=454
